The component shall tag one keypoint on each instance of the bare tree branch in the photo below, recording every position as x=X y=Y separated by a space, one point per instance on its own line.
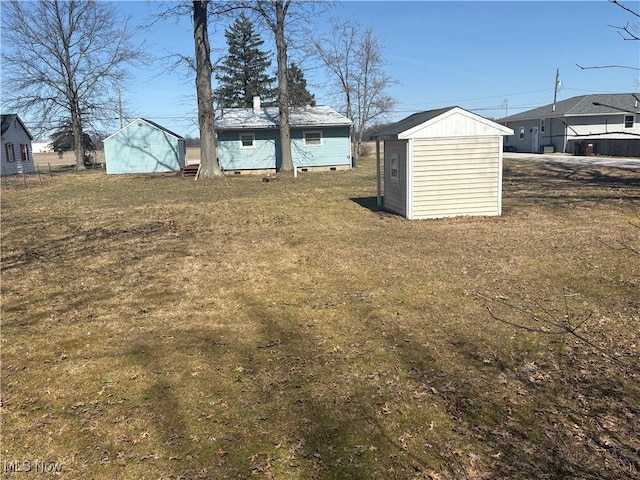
x=629 y=34
x=616 y=2
x=607 y=66
x=547 y=322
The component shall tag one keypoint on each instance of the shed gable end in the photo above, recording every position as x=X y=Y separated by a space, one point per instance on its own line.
x=456 y=123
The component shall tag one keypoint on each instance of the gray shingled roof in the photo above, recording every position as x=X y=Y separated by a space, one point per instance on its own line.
x=409 y=122
x=583 y=105
x=266 y=118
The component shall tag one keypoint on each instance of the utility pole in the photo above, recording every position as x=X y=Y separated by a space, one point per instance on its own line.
x=555 y=90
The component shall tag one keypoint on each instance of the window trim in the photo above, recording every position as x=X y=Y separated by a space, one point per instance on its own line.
x=521 y=133
x=394 y=158
x=543 y=124
x=626 y=122
x=313 y=132
x=11 y=156
x=24 y=152
x=249 y=134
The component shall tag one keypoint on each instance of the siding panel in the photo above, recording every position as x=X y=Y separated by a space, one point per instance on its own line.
x=261 y=157
x=395 y=193
x=143 y=148
x=16 y=135
x=335 y=149
x=456 y=176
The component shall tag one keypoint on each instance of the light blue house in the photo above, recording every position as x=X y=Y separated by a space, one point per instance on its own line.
x=249 y=139
x=144 y=147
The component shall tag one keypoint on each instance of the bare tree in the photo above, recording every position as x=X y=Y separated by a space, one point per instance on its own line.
x=627 y=32
x=200 y=65
x=335 y=51
x=66 y=61
x=353 y=55
x=274 y=14
x=208 y=151
x=372 y=83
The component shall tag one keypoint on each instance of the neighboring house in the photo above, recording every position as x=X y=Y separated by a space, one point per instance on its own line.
x=144 y=147
x=42 y=147
x=604 y=124
x=17 y=155
x=442 y=163
x=249 y=139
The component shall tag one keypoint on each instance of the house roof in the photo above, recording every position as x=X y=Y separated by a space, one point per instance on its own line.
x=267 y=118
x=583 y=105
x=7 y=121
x=451 y=121
x=154 y=124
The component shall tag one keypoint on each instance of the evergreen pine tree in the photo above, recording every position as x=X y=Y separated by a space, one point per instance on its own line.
x=299 y=96
x=243 y=73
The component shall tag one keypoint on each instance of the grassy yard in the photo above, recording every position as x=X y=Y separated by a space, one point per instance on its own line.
x=156 y=327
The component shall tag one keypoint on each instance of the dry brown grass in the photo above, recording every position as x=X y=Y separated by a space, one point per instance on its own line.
x=156 y=327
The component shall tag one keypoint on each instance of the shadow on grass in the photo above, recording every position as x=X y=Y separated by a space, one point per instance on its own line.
x=561 y=183
x=84 y=243
x=536 y=416
x=163 y=403
x=371 y=204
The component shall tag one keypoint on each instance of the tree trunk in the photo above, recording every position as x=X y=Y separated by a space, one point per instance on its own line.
x=77 y=139
x=208 y=146
x=283 y=89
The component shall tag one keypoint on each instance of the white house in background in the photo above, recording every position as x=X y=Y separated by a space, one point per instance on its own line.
x=41 y=147
x=603 y=124
x=16 y=154
x=442 y=163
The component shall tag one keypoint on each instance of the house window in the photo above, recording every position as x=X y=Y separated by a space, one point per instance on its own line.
x=542 y=125
x=393 y=167
x=628 y=121
x=521 y=133
x=24 y=153
x=10 y=155
x=312 y=139
x=247 y=140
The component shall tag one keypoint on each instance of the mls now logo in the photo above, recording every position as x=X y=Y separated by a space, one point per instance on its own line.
x=39 y=466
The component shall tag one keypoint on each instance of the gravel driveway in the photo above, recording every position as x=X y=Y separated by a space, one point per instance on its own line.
x=619 y=162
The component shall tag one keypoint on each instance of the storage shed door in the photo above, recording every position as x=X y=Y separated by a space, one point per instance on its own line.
x=456 y=176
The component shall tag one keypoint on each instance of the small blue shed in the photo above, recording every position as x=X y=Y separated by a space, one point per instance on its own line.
x=144 y=147
x=249 y=139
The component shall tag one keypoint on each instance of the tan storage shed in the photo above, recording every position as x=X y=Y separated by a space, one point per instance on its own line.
x=441 y=163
